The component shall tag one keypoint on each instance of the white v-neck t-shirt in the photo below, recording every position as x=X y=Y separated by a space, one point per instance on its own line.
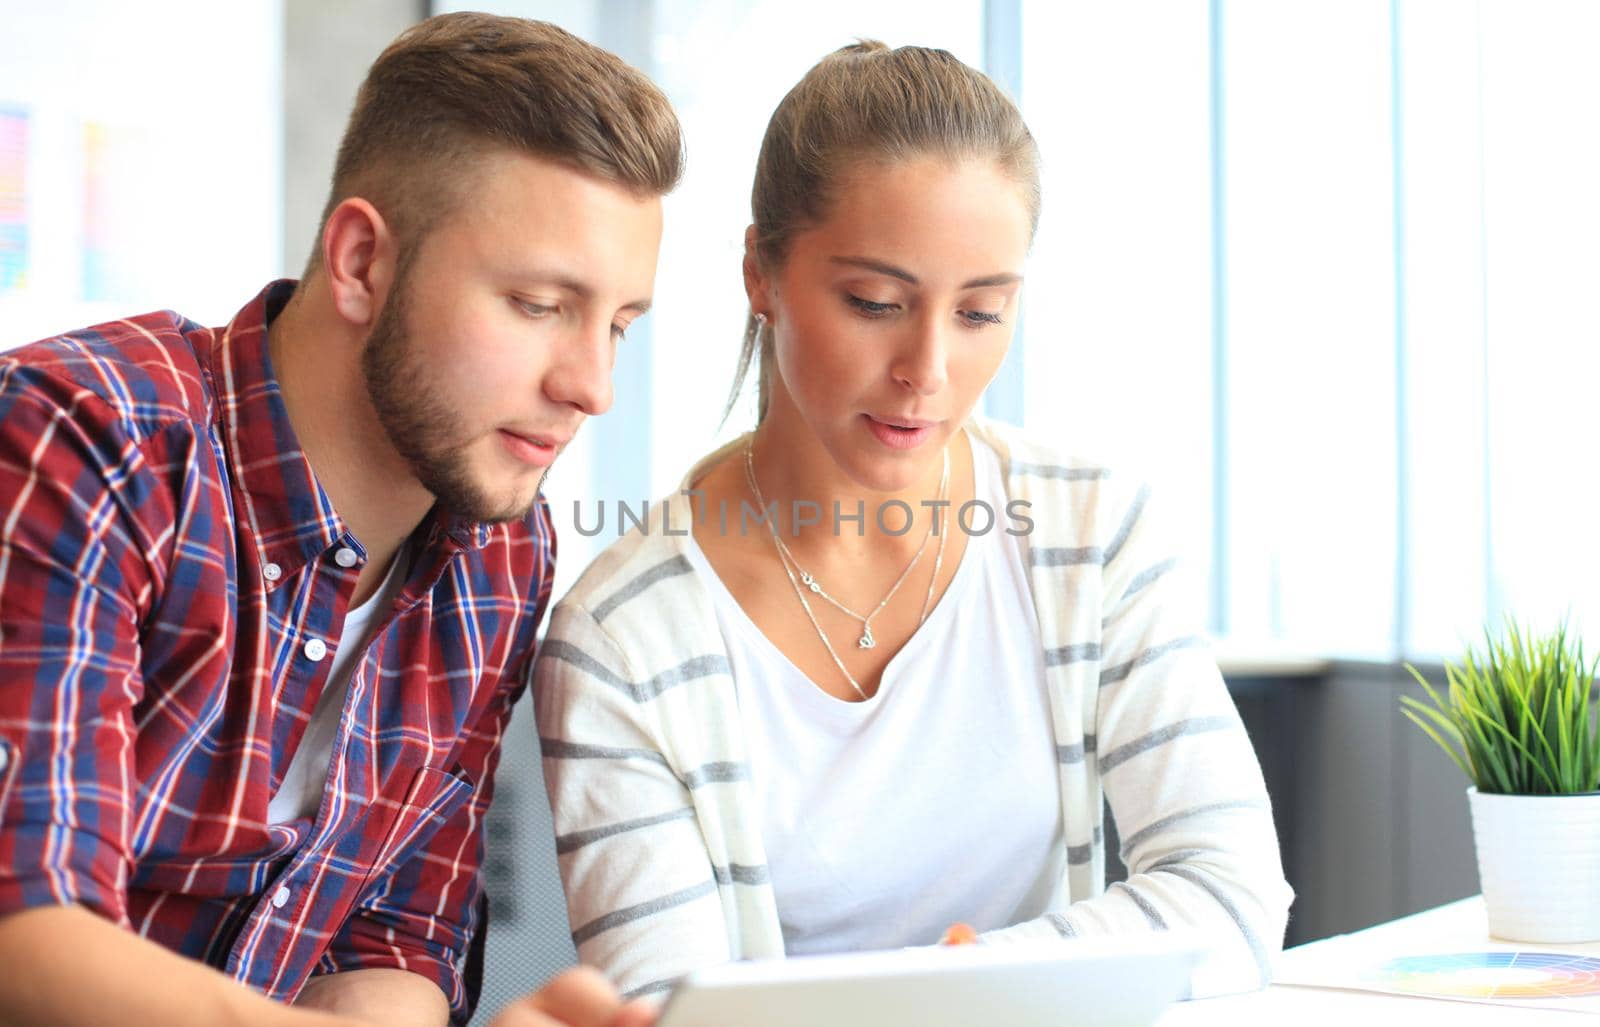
x=306 y=778
x=934 y=801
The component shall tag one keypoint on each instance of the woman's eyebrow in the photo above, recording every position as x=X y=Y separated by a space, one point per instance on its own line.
x=878 y=266
x=867 y=263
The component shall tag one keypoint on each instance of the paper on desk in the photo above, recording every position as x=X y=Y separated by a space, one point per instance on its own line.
x=1480 y=970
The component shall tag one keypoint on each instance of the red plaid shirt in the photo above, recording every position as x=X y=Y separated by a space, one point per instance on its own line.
x=169 y=594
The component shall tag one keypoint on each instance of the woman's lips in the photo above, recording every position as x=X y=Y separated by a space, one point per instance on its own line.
x=900 y=434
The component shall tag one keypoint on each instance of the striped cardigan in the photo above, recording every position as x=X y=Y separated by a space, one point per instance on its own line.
x=659 y=834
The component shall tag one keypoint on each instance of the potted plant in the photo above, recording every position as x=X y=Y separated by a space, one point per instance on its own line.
x=1520 y=720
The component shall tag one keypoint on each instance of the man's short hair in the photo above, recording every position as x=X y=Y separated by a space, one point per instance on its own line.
x=455 y=87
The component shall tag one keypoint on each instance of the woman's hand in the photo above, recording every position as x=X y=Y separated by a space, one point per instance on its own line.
x=580 y=997
x=959 y=934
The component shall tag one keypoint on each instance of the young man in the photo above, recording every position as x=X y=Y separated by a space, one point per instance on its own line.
x=269 y=591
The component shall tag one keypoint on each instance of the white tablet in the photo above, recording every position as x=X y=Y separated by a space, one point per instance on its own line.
x=1090 y=982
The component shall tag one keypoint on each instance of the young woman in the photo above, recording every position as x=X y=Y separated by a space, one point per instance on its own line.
x=902 y=697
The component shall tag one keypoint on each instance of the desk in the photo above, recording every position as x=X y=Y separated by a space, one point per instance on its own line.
x=1459 y=926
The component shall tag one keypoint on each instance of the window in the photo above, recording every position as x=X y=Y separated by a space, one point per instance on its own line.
x=1326 y=272
x=140 y=160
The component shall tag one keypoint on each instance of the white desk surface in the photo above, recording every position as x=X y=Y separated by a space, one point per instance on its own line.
x=1266 y=659
x=1459 y=926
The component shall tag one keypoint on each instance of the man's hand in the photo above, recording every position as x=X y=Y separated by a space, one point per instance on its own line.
x=578 y=998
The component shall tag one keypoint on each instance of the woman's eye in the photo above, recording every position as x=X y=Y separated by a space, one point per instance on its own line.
x=979 y=318
x=619 y=332
x=870 y=307
x=533 y=309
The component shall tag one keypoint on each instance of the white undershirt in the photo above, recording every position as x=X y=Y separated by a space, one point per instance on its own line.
x=936 y=800
x=300 y=792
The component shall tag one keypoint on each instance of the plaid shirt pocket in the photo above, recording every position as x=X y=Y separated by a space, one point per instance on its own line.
x=432 y=799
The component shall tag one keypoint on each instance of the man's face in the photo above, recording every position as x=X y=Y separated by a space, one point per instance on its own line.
x=499 y=334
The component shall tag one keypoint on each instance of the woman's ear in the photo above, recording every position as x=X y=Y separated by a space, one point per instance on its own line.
x=358 y=254
x=756 y=286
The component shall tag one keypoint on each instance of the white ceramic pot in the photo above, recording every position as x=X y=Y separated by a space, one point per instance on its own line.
x=1539 y=864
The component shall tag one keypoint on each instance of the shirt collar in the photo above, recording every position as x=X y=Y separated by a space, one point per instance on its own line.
x=289 y=516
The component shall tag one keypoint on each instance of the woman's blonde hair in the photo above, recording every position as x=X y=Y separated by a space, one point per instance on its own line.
x=868 y=103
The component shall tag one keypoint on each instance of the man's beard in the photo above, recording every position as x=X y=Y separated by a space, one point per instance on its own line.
x=420 y=423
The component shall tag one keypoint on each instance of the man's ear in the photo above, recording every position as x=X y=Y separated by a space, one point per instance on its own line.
x=756 y=284
x=358 y=254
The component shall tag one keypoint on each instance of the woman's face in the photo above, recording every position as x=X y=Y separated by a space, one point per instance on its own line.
x=891 y=316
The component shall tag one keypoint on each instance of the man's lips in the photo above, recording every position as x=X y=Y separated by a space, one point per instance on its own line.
x=537 y=448
x=549 y=440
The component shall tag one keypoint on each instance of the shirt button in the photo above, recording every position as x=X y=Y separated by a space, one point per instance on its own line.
x=280 y=898
x=316 y=649
x=345 y=557
x=272 y=572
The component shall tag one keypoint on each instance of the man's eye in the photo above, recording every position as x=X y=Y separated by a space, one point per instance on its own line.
x=535 y=309
x=619 y=332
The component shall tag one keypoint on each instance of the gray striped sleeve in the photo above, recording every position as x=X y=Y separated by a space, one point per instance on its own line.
x=1111 y=675
x=638 y=691
x=1062 y=925
x=557 y=749
x=1066 y=755
x=653 y=988
x=1081 y=855
x=1150 y=830
x=1065 y=654
x=665 y=569
x=715 y=773
x=631 y=914
x=566 y=843
x=1126 y=527
x=1151 y=914
x=1149 y=575
x=740 y=873
x=1064 y=556
x=1060 y=472
x=1161 y=736
x=1180 y=856
x=1204 y=882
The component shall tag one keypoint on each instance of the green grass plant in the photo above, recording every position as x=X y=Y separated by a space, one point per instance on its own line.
x=1518 y=718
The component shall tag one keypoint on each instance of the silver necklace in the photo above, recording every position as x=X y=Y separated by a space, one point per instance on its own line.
x=792 y=568
x=866 y=641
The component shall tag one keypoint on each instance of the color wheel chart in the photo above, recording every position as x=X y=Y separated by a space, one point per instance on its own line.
x=1492 y=975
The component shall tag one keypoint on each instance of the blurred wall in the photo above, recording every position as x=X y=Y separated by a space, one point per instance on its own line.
x=327 y=47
